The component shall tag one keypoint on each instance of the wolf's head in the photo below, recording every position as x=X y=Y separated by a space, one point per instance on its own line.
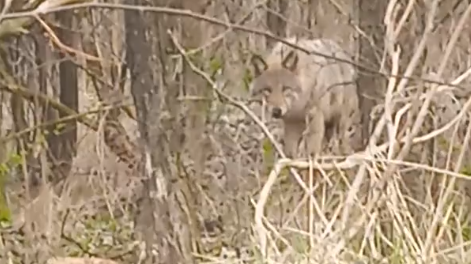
x=278 y=86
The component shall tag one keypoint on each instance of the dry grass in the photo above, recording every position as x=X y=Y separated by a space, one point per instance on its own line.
x=403 y=201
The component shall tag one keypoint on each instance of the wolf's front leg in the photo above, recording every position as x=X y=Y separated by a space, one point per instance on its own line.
x=314 y=133
x=293 y=132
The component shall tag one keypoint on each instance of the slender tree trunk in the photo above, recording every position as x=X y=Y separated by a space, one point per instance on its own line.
x=48 y=84
x=276 y=19
x=114 y=133
x=63 y=145
x=193 y=36
x=370 y=86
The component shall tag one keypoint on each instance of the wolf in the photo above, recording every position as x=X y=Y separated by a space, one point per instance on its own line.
x=315 y=96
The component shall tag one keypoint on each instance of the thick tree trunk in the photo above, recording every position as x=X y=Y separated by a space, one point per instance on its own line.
x=154 y=222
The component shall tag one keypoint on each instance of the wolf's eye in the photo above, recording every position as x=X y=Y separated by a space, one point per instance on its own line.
x=266 y=90
x=263 y=91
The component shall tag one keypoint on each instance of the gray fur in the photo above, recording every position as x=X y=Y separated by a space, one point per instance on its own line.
x=311 y=92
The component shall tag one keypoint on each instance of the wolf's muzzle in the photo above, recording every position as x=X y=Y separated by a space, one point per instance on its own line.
x=276 y=112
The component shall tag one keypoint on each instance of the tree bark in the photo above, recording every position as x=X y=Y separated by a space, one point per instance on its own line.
x=194 y=85
x=154 y=222
x=276 y=19
x=63 y=146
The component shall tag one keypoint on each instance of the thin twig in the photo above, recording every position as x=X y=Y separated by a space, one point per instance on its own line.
x=61 y=45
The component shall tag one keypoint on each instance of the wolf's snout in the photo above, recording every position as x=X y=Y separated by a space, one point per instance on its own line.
x=276 y=112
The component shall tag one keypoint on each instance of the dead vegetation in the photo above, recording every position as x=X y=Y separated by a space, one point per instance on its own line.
x=172 y=163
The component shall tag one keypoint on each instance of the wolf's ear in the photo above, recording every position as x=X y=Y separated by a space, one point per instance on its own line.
x=259 y=64
x=290 y=62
